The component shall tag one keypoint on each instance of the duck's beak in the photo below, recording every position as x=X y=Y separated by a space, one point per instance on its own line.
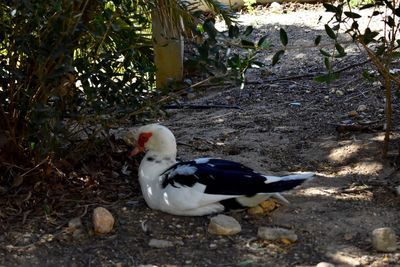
x=137 y=150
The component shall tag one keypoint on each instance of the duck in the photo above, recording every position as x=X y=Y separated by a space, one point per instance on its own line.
x=204 y=185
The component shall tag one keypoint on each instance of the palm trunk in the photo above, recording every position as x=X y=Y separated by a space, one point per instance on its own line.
x=168 y=53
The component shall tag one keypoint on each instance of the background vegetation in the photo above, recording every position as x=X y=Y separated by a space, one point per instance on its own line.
x=68 y=69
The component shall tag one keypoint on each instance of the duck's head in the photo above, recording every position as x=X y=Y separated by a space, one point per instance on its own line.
x=155 y=138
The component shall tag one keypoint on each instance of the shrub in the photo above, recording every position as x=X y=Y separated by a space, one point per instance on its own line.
x=64 y=62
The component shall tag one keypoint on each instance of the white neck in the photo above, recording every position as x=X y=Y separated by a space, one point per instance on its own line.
x=150 y=178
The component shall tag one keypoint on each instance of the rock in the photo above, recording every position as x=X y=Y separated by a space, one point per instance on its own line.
x=339 y=93
x=295 y=104
x=348 y=236
x=398 y=190
x=256 y=210
x=75 y=223
x=213 y=246
x=158 y=243
x=78 y=234
x=223 y=225
x=103 y=220
x=352 y=113
x=263 y=208
x=276 y=7
x=325 y=264
x=384 y=239
x=362 y=108
x=276 y=233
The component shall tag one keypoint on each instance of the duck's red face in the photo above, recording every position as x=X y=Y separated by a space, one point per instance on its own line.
x=142 y=140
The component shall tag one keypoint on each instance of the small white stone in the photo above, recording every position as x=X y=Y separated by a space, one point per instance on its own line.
x=384 y=239
x=398 y=190
x=276 y=233
x=75 y=223
x=103 y=220
x=223 y=225
x=325 y=264
x=339 y=93
x=158 y=243
x=362 y=108
x=276 y=7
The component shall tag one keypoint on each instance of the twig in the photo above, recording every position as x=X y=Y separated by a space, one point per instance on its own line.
x=308 y=75
x=189 y=106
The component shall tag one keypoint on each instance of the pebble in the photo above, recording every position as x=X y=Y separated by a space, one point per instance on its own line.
x=398 y=190
x=352 y=113
x=295 y=104
x=276 y=233
x=276 y=7
x=362 y=108
x=103 y=220
x=223 y=225
x=384 y=239
x=75 y=223
x=339 y=93
x=79 y=234
x=256 y=210
x=324 y=264
x=213 y=246
x=158 y=243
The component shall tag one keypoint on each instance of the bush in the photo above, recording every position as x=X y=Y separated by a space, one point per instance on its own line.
x=61 y=61
x=382 y=47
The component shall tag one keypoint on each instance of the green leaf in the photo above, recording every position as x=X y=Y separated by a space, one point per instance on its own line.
x=354 y=25
x=397 y=11
x=352 y=15
x=376 y=13
x=247 y=43
x=233 y=31
x=390 y=22
x=258 y=64
x=380 y=50
x=395 y=54
x=340 y=49
x=330 y=32
x=209 y=28
x=277 y=56
x=115 y=27
x=317 y=40
x=323 y=52
x=389 y=4
x=330 y=8
x=261 y=41
x=283 y=36
x=248 y=31
x=200 y=28
x=369 y=36
x=327 y=63
x=367 y=6
x=327 y=78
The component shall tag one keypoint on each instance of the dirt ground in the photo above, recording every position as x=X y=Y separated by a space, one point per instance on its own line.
x=285 y=122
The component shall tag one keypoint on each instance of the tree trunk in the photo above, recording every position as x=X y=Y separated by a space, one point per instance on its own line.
x=168 y=53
